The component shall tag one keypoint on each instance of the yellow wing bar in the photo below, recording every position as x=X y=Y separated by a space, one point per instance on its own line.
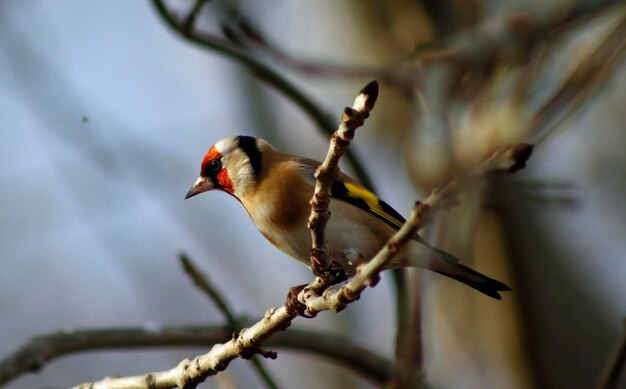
x=367 y=201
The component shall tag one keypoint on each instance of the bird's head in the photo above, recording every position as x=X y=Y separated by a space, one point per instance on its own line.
x=232 y=165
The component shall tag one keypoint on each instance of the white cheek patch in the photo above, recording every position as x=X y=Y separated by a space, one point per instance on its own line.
x=239 y=170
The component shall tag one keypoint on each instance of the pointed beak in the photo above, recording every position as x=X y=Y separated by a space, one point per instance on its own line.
x=202 y=185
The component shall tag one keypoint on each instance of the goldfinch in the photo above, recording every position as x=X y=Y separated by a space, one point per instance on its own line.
x=275 y=189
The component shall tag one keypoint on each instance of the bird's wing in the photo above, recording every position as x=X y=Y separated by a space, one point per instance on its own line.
x=348 y=190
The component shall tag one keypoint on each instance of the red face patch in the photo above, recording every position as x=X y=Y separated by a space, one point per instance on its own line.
x=210 y=156
x=224 y=181
x=220 y=178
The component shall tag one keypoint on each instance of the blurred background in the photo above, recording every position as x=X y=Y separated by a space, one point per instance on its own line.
x=106 y=114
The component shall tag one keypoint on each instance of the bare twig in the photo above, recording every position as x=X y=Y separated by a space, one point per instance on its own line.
x=338 y=298
x=203 y=283
x=191 y=372
x=42 y=350
x=327 y=172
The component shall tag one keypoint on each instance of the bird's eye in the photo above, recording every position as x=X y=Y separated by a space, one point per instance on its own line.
x=212 y=168
x=215 y=166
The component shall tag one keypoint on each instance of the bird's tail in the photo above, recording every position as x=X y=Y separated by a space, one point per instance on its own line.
x=447 y=264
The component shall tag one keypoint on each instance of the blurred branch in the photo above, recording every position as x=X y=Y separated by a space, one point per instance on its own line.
x=517 y=29
x=616 y=365
x=322 y=119
x=203 y=283
x=242 y=31
x=41 y=350
x=409 y=346
x=592 y=72
x=475 y=46
x=484 y=77
x=192 y=16
x=519 y=193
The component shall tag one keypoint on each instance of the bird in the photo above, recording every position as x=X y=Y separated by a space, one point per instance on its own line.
x=275 y=189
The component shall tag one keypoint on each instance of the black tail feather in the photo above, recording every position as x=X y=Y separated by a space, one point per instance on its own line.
x=474 y=279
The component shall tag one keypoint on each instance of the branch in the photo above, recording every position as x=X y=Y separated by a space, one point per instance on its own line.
x=327 y=172
x=41 y=350
x=190 y=372
x=242 y=31
x=366 y=274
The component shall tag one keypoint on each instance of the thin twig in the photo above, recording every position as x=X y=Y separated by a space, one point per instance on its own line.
x=366 y=275
x=327 y=172
x=205 y=285
x=42 y=350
